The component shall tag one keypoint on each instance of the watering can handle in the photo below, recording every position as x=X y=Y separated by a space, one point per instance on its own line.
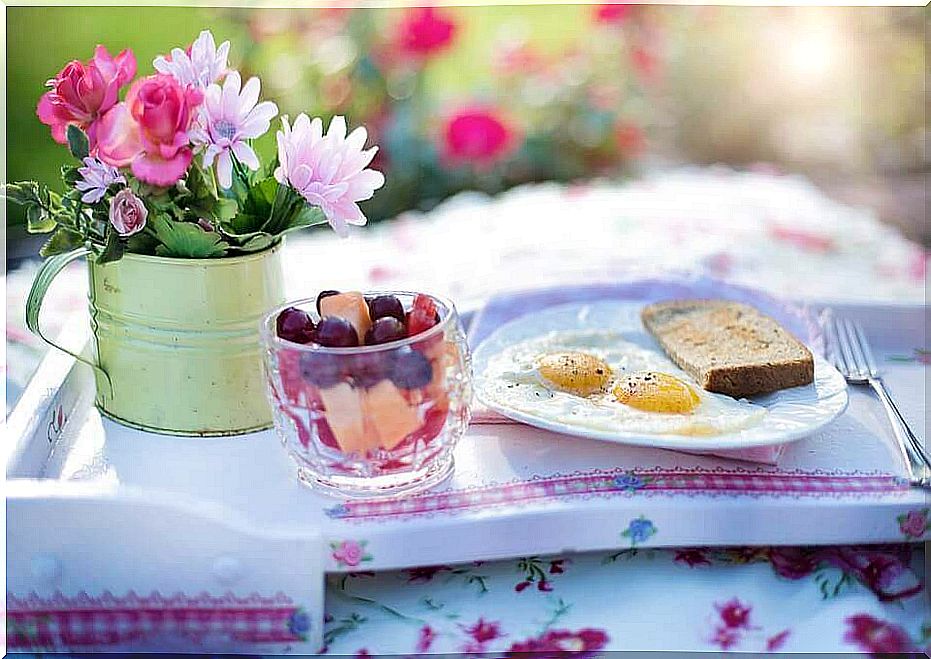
x=47 y=273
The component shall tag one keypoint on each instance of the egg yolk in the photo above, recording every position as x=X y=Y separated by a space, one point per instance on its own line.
x=656 y=392
x=576 y=372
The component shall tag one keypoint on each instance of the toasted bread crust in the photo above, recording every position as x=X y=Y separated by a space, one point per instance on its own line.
x=728 y=347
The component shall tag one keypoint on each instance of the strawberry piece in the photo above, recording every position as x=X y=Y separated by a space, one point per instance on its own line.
x=325 y=433
x=422 y=315
x=289 y=368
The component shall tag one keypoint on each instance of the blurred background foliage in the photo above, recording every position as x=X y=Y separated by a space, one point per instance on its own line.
x=487 y=97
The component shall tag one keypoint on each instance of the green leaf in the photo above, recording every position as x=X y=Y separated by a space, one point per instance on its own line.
x=256 y=208
x=77 y=142
x=200 y=184
x=38 y=220
x=258 y=242
x=226 y=210
x=40 y=204
x=24 y=193
x=308 y=216
x=244 y=224
x=63 y=240
x=142 y=243
x=70 y=175
x=186 y=240
x=287 y=205
x=113 y=249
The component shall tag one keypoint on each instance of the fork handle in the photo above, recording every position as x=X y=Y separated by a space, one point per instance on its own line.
x=916 y=454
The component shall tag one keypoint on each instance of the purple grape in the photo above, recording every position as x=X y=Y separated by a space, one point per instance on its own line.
x=320 y=369
x=367 y=370
x=322 y=295
x=295 y=325
x=335 y=332
x=385 y=330
x=411 y=370
x=385 y=306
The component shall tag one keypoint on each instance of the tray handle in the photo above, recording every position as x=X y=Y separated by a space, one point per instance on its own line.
x=50 y=269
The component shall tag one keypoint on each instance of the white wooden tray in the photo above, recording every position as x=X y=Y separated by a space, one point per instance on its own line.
x=91 y=502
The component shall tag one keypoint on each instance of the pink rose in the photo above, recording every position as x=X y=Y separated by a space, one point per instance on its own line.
x=127 y=213
x=349 y=552
x=477 y=135
x=149 y=130
x=914 y=523
x=81 y=93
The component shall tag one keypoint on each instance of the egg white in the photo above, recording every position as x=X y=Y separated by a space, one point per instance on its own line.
x=511 y=380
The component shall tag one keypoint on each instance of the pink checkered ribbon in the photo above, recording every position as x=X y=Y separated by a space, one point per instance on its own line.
x=646 y=481
x=85 y=622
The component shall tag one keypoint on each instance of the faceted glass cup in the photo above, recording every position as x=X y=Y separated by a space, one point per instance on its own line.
x=374 y=420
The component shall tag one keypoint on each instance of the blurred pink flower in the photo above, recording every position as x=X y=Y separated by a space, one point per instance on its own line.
x=612 y=13
x=424 y=32
x=96 y=177
x=646 y=64
x=201 y=65
x=81 y=93
x=127 y=213
x=477 y=135
x=227 y=119
x=629 y=139
x=329 y=171
x=149 y=131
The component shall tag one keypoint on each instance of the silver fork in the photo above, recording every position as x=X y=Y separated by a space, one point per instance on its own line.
x=852 y=356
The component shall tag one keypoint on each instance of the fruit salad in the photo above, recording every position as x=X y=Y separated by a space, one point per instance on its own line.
x=370 y=391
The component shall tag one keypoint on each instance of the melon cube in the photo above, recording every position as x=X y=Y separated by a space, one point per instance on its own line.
x=344 y=416
x=349 y=306
x=390 y=414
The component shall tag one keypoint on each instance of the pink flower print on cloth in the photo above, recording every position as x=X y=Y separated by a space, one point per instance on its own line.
x=914 y=523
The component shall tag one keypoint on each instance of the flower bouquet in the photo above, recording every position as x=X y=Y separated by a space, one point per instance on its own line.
x=181 y=223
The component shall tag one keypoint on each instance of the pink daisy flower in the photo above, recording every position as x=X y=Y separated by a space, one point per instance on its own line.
x=229 y=117
x=328 y=170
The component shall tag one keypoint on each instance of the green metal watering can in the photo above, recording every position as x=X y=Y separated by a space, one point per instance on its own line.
x=177 y=346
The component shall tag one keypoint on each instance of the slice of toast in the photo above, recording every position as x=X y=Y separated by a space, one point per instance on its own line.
x=728 y=347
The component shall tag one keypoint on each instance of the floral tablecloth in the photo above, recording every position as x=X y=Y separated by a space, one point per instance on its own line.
x=829 y=599
x=774 y=232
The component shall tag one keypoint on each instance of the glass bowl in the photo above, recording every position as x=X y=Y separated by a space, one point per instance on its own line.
x=374 y=420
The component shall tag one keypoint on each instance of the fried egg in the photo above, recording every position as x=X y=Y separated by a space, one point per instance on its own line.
x=597 y=379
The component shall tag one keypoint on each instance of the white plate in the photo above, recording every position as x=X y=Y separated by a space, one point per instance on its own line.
x=792 y=414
